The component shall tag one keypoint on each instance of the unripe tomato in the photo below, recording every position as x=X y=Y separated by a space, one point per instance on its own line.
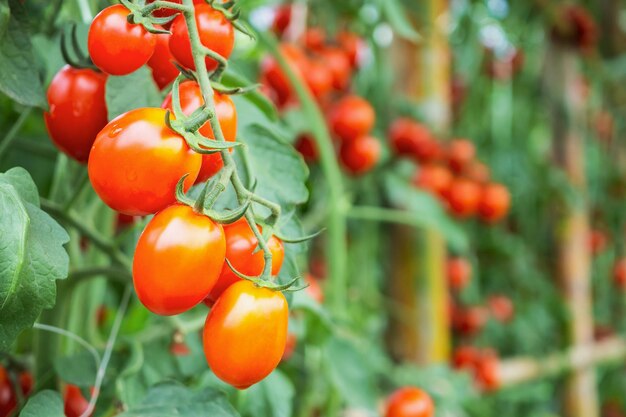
x=463 y=197
x=408 y=137
x=501 y=308
x=306 y=145
x=619 y=273
x=178 y=259
x=245 y=333
x=598 y=241
x=351 y=117
x=8 y=396
x=494 y=203
x=75 y=403
x=136 y=162
x=338 y=64
x=116 y=46
x=470 y=320
x=359 y=155
x=409 y=402
x=161 y=62
x=190 y=100
x=436 y=179
x=319 y=78
x=272 y=74
x=460 y=154
x=352 y=45
x=465 y=357
x=77 y=110
x=487 y=370
x=216 y=33
x=242 y=253
x=459 y=272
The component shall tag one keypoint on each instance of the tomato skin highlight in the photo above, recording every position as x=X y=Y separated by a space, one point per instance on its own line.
x=178 y=259
x=360 y=155
x=77 y=110
x=409 y=402
x=161 y=62
x=216 y=33
x=136 y=162
x=351 y=117
x=240 y=246
x=75 y=404
x=190 y=100
x=116 y=46
x=245 y=333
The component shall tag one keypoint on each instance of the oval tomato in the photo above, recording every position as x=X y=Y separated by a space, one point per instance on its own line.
x=282 y=19
x=77 y=110
x=351 y=117
x=75 y=403
x=161 y=62
x=494 y=203
x=116 y=46
x=470 y=320
x=136 y=162
x=245 y=333
x=359 y=155
x=463 y=197
x=409 y=402
x=487 y=370
x=241 y=245
x=178 y=259
x=412 y=139
x=190 y=100
x=215 y=31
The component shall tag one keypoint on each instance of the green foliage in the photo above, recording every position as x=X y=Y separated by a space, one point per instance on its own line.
x=44 y=404
x=130 y=92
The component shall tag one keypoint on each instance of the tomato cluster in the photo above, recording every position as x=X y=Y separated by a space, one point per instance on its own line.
x=409 y=402
x=8 y=394
x=483 y=364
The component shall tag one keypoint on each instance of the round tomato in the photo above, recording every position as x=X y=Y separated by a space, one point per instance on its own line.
x=190 y=100
x=8 y=396
x=339 y=65
x=351 y=117
x=436 y=179
x=216 y=33
x=75 y=403
x=459 y=272
x=460 y=154
x=314 y=38
x=359 y=155
x=273 y=75
x=501 y=308
x=463 y=197
x=465 y=357
x=478 y=172
x=178 y=259
x=245 y=333
x=307 y=147
x=77 y=110
x=352 y=45
x=619 y=273
x=487 y=370
x=136 y=162
x=162 y=62
x=494 y=203
x=318 y=78
x=406 y=135
x=116 y=46
x=409 y=402
x=470 y=320
x=241 y=245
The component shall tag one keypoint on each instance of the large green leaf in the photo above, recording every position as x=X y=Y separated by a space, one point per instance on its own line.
x=32 y=256
x=130 y=92
x=172 y=399
x=44 y=404
x=272 y=397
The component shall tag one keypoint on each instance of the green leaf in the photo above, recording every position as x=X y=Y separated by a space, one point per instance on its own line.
x=272 y=397
x=172 y=399
x=44 y=404
x=130 y=92
x=32 y=256
x=425 y=210
x=19 y=78
x=397 y=18
x=5 y=16
x=256 y=98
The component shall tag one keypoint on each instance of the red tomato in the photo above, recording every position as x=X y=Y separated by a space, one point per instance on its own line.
x=501 y=308
x=290 y=347
x=319 y=78
x=282 y=19
x=597 y=241
x=478 y=172
x=75 y=402
x=359 y=155
x=190 y=100
x=459 y=272
x=412 y=139
x=409 y=402
x=314 y=289
x=306 y=145
x=136 y=162
x=216 y=33
x=178 y=260
x=351 y=117
x=494 y=203
x=314 y=38
x=352 y=45
x=436 y=179
x=463 y=197
x=619 y=273
x=241 y=245
x=460 y=154
x=245 y=333
x=8 y=396
x=116 y=46
x=465 y=357
x=77 y=110
x=487 y=370
x=471 y=320
x=162 y=62
x=272 y=75
x=338 y=64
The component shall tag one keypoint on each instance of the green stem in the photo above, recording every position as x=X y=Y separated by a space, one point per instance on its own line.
x=62 y=332
x=386 y=215
x=12 y=133
x=83 y=184
x=115 y=273
x=85 y=10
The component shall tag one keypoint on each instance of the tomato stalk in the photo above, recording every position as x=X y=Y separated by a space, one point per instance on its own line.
x=12 y=133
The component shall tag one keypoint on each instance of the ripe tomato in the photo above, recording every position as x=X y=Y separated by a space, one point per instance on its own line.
x=314 y=38
x=178 y=259
x=494 y=203
x=459 y=272
x=241 y=245
x=359 y=155
x=470 y=320
x=77 y=110
x=338 y=64
x=409 y=402
x=460 y=153
x=352 y=45
x=436 y=179
x=136 y=162
x=463 y=197
x=412 y=139
x=305 y=144
x=619 y=273
x=216 y=33
x=116 y=46
x=282 y=19
x=351 y=117
x=319 y=78
x=465 y=357
x=245 y=333
x=501 y=308
x=162 y=62
x=272 y=75
x=75 y=402
x=598 y=241
x=487 y=370
x=8 y=396
x=190 y=100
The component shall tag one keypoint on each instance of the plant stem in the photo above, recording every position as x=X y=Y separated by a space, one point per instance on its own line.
x=83 y=184
x=116 y=273
x=12 y=133
x=85 y=10
x=386 y=215
x=73 y=336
